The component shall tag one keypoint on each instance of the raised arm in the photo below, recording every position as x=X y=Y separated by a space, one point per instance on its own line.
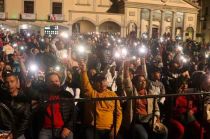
x=128 y=86
x=86 y=85
x=144 y=67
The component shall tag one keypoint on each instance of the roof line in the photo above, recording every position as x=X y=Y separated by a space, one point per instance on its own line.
x=193 y=4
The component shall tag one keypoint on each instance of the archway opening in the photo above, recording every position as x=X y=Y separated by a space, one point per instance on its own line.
x=83 y=26
x=132 y=30
x=190 y=33
x=110 y=27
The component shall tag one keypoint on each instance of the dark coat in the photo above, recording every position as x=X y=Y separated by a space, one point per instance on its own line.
x=21 y=111
x=67 y=107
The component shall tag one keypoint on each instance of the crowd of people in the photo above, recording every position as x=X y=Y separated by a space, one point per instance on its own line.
x=40 y=76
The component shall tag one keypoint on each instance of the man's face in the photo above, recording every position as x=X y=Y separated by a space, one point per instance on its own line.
x=106 y=43
x=184 y=86
x=11 y=83
x=101 y=86
x=54 y=81
x=36 y=51
x=157 y=75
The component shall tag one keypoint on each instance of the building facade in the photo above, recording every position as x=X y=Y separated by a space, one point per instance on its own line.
x=178 y=18
x=204 y=21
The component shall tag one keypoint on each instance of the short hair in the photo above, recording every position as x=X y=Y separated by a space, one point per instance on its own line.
x=50 y=74
x=8 y=73
x=99 y=77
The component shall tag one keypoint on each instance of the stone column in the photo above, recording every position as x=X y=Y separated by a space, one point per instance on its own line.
x=184 y=26
x=122 y=31
x=150 y=23
x=70 y=29
x=162 y=27
x=139 y=23
x=195 y=26
x=97 y=29
x=173 y=25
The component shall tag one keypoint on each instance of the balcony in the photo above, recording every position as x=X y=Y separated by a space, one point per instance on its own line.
x=28 y=16
x=56 y=17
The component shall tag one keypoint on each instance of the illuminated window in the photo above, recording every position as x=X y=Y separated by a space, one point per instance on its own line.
x=56 y=8
x=28 y=6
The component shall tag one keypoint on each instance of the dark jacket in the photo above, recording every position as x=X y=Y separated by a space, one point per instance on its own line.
x=21 y=110
x=67 y=107
x=6 y=118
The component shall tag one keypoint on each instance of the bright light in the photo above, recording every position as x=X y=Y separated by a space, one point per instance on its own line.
x=134 y=57
x=64 y=35
x=33 y=68
x=145 y=36
x=117 y=55
x=124 y=52
x=109 y=44
x=22 y=48
x=15 y=45
x=161 y=39
x=180 y=48
x=143 y=49
x=24 y=26
x=28 y=34
x=113 y=38
x=81 y=49
x=65 y=56
x=119 y=40
x=184 y=60
x=81 y=37
x=42 y=40
x=57 y=68
x=206 y=55
x=135 y=43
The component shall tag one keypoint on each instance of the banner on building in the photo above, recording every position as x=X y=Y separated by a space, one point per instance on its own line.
x=27 y=16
